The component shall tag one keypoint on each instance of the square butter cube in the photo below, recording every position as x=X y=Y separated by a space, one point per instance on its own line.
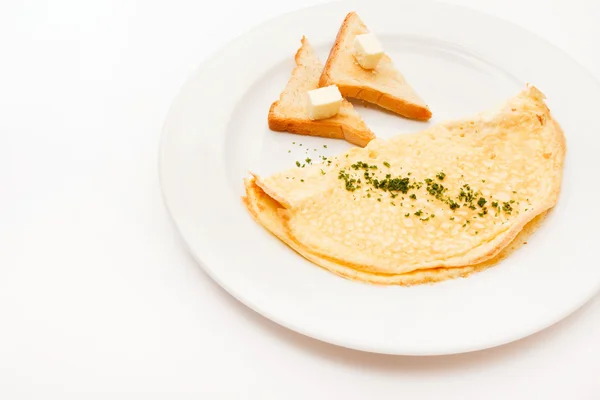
x=367 y=50
x=324 y=102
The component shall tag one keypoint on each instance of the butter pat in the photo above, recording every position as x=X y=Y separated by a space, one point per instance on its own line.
x=324 y=102
x=367 y=50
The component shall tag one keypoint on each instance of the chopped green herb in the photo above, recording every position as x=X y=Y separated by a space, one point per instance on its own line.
x=387 y=164
x=348 y=180
x=413 y=196
x=441 y=176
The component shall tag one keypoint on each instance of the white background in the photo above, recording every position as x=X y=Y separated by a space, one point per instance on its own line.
x=98 y=299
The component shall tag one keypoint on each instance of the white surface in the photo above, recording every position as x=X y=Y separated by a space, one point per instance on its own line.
x=459 y=72
x=97 y=295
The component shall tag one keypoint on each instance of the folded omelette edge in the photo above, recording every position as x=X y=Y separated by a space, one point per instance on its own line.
x=264 y=209
x=451 y=196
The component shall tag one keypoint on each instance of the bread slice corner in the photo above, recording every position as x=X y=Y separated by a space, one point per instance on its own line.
x=384 y=86
x=289 y=113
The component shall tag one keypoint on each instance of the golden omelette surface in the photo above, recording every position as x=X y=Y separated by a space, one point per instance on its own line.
x=265 y=211
x=510 y=157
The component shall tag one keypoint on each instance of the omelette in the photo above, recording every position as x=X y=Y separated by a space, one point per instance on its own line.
x=437 y=204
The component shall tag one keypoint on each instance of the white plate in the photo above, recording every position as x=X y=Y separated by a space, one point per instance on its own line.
x=461 y=62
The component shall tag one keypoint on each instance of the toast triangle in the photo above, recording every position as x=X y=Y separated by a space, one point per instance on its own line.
x=384 y=86
x=289 y=113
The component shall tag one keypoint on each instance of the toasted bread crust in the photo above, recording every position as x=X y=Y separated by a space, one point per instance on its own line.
x=352 y=130
x=383 y=100
x=371 y=95
x=322 y=128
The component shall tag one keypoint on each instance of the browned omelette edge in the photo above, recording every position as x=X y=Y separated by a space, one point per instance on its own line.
x=258 y=203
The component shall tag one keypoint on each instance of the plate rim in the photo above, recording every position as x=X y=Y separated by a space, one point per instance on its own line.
x=175 y=104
